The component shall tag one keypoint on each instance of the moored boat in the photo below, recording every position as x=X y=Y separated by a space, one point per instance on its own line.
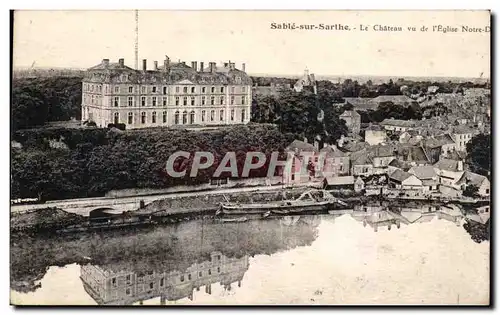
x=309 y=201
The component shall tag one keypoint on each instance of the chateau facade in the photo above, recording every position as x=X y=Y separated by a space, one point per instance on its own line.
x=173 y=94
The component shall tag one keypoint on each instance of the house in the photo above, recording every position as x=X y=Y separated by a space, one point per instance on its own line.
x=362 y=164
x=338 y=182
x=397 y=125
x=482 y=216
x=352 y=120
x=439 y=146
x=401 y=100
x=410 y=136
x=403 y=180
x=362 y=104
x=476 y=180
x=414 y=155
x=307 y=80
x=336 y=162
x=295 y=173
x=359 y=185
x=375 y=135
x=398 y=164
x=428 y=176
x=449 y=171
x=462 y=135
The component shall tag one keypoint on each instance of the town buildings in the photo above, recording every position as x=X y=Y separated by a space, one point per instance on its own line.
x=352 y=121
x=174 y=94
x=307 y=81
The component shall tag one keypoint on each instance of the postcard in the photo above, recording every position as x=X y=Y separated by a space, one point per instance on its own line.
x=164 y=158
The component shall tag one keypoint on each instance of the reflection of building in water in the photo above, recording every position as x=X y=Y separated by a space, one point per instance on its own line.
x=127 y=287
x=378 y=215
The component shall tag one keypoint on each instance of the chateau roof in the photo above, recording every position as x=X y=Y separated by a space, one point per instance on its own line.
x=106 y=72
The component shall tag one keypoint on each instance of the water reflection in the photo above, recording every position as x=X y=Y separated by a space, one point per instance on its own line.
x=175 y=262
x=125 y=287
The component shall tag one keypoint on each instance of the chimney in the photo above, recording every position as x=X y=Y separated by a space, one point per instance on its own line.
x=243 y=67
x=156 y=65
x=121 y=61
x=201 y=66
x=166 y=63
x=226 y=64
x=105 y=62
x=144 y=65
x=194 y=65
x=212 y=67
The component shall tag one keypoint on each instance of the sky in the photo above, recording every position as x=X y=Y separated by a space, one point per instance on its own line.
x=81 y=39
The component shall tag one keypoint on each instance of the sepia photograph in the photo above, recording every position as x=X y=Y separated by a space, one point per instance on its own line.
x=238 y=157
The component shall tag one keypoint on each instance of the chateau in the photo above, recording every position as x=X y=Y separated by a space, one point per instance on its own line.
x=168 y=95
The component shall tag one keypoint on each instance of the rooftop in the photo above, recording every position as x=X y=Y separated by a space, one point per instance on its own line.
x=423 y=172
x=339 y=180
x=470 y=178
x=448 y=165
x=399 y=175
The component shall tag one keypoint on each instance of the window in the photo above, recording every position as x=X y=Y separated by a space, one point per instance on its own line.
x=117 y=101
x=212 y=115
x=143 y=100
x=143 y=117
x=487 y=191
x=191 y=117
x=232 y=114
x=185 y=100
x=117 y=89
x=189 y=276
x=232 y=100
x=242 y=115
x=184 y=118
x=177 y=89
x=176 y=100
x=212 y=100
x=162 y=282
x=203 y=99
x=222 y=100
x=243 y=89
x=164 y=101
x=154 y=100
x=218 y=257
x=209 y=272
x=164 y=117
x=185 y=89
x=218 y=269
x=130 y=120
x=176 y=118
x=143 y=89
x=113 y=281
x=116 y=118
x=232 y=90
x=221 y=115
x=213 y=89
x=203 y=90
x=193 y=89
x=222 y=89
x=127 y=291
x=203 y=116
x=192 y=100
x=164 y=90
x=130 y=101
x=154 y=89
x=151 y=285
x=200 y=274
x=182 y=278
x=131 y=89
x=153 y=117
x=243 y=100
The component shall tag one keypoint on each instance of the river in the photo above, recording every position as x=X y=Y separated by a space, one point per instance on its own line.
x=327 y=259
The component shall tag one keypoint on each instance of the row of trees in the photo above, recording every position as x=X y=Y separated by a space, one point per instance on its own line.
x=36 y=101
x=99 y=160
